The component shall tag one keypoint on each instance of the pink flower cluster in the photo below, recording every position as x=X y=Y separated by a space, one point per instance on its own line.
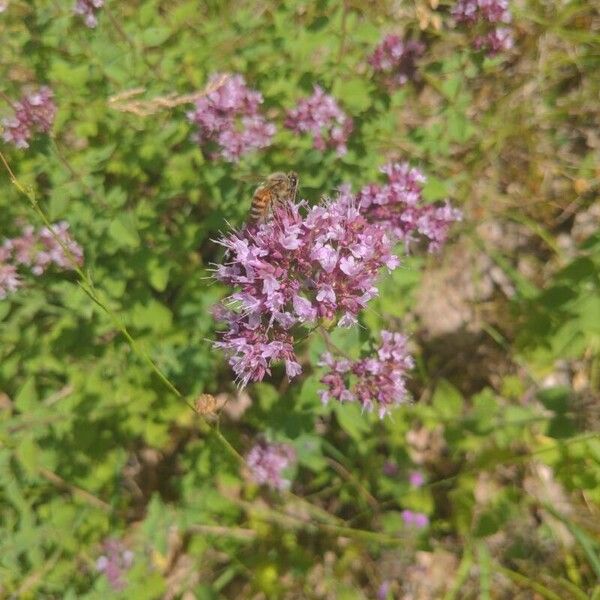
x=415 y=519
x=267 y=462
x=320 y=265
x=87 y=9
x=499 y=39
x=303 y=265
x=416 y=479
x=397 y=205
x=114 y=563
x=228 y=118
x=376 y=381
x=36 y=250
x=35 y=112
x=321 y=116
x=487 y=15
x=472 y=11
x=395 y=60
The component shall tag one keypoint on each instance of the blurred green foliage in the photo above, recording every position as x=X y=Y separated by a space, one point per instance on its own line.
x=93 y=445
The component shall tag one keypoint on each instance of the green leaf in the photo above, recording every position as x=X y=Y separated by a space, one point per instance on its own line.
x=123 y=230
x=151 y=315
x=356 y=93
x=28 y=452
x=158 y=274
x=26 y=399
x=352 y=420
x=435 y=189
x=155 y=36
x=447 y=400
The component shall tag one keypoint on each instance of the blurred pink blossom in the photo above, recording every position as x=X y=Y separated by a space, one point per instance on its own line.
x=114 y=563
x=267 y=463
x=321 y=116
x=36 y=250
x=34 y=112
x=416 y=479
x=87 y=10
x=415 y=519
x=395 y=59
x=229 y=118
x=484 y=14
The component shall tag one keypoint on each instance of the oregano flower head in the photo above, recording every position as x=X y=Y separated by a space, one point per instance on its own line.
x=87 y=9
x=398 y=206
x=267 y=463
x=321 y=116
x=489 y=18
x=36 y=250
x=229 y=120
x=302 y=266
x=395 y=60
x=377 y=382
x=33 y=113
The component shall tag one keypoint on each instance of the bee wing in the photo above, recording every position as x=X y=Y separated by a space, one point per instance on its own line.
x=252 y=177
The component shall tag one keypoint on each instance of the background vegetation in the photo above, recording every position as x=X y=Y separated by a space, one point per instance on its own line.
x=504 y=322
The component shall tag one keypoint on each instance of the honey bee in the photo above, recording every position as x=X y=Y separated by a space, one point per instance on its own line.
x=274 y=190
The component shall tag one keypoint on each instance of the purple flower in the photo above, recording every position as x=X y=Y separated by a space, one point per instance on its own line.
x=471 y=11
x=36 y=251
x=415 y=519
x=383 y=591
x=35 y=112
x=416 y=479
x=279 y=286
x=267 y=463
x=483 y=14
x=39 y=250
x=375 y=381
x=114 y=563
x=87 y=9
x=397 y=205
x=390 y=468
x=321 y=116
x=495 y=41
x=395 y=60
x=9 y=280
x=228 y=118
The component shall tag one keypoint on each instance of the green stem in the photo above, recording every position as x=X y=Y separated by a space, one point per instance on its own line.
x=524 y=581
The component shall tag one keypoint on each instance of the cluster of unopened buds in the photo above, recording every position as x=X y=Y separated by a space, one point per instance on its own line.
x=33 y=113
x=37 y=251
x=394 y=60
x=318 y=267
x=229 y=120
x=491 y=18
x=87 y=10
